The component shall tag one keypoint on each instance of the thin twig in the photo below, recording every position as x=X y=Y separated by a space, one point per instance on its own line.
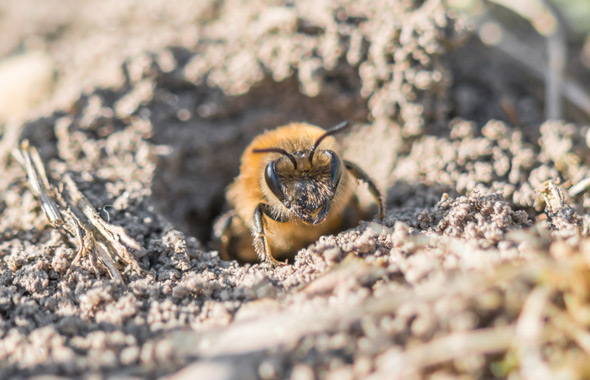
x=68 y=209
x=532 y=59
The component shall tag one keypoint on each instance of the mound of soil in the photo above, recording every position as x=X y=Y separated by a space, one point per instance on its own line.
x=479 y=269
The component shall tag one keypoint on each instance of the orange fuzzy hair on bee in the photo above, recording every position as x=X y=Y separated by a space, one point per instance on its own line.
x=293 y=187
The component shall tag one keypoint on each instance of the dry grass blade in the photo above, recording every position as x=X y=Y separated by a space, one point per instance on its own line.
x=570 y=328
x=558 y=84
x=529 y=334
x=114 y=238
x=445 y=349
x=70 y=211
x=29 y=158
x=557 y=57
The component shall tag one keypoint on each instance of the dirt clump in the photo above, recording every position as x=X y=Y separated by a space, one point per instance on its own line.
x=479 y=263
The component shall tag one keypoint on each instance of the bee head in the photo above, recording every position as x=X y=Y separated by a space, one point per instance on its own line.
x=306 y=181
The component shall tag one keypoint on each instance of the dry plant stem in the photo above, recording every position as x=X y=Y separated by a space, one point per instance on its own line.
x=70 y=211
x=457 y=345
x=113 y=239
x=579 y=187
x=553 y=197
x=85 y=244
x=38 y=182
x=532 y=59
x=533 y=11
x=569 y=327
x=529 y=334
x=557 y=54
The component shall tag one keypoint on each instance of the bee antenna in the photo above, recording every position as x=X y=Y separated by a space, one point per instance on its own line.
x=278 y=150
x=331 y=131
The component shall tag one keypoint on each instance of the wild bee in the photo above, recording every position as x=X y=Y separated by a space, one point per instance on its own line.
x=293 y=187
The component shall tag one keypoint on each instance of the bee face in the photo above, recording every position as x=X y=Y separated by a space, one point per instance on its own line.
x=292 y=188
x=305 y=183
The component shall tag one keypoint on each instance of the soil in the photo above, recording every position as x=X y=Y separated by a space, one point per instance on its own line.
x=149 y=104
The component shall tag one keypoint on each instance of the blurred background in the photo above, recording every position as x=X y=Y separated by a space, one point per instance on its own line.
x=50 y=51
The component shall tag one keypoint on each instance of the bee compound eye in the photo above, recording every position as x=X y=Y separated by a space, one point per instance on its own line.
x=335 y=169
x=273 y=181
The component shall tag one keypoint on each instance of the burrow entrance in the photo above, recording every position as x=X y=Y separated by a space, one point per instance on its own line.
x=207 y=132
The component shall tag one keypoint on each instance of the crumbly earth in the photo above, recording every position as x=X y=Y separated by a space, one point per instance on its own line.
x=479 y=270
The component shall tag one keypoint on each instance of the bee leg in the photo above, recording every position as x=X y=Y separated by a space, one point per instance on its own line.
x=360 y=174
x=258 y=230
x=221 y=231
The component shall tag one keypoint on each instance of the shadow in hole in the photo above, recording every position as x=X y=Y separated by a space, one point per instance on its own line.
x=416 y=195
x=207 y=132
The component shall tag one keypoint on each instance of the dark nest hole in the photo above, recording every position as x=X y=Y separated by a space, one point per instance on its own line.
x=207 y=132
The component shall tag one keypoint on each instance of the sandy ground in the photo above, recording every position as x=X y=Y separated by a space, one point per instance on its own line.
x=148 y=105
